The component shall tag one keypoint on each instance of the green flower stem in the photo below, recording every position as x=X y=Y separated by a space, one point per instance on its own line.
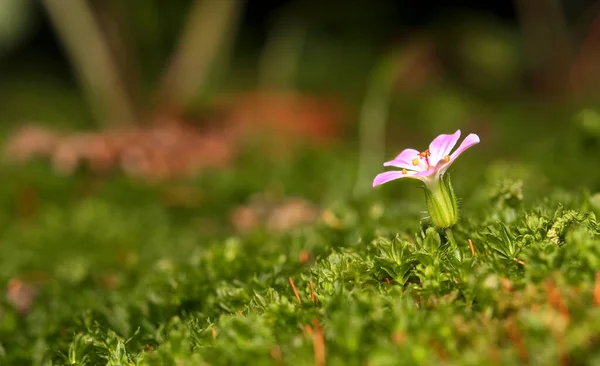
x=450 y=236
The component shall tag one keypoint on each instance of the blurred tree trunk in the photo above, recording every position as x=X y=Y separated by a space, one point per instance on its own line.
x=92 y=60
x=112 y=23
x=374 y=114
x=209 y=23
x=585 y=71
x=547 y=40
x=279 y=61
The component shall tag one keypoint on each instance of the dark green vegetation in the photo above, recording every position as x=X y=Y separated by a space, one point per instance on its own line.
x=131 y=273
x=124 y=276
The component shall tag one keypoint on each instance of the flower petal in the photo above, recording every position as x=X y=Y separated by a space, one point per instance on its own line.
x=404 y=159
x=426 y=173
x=392 y=175
x=441 y=146
x=470 y=140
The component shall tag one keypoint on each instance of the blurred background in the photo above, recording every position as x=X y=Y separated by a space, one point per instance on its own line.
x=166 y=89
x=140 y=135
x=159 y=91
x=353 y=71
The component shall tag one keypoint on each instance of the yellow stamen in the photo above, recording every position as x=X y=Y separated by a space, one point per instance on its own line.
x=415 y=161
x=430 y=167
x=404 y=171
x=424 y=154
x=447 y=158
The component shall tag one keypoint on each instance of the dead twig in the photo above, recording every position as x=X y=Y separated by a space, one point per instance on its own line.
x=276 y=354
x=318 y=344
x=295 y=291
x=312 y=292
x=519 y=261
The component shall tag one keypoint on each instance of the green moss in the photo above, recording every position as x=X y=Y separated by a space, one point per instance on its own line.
x=123 y=278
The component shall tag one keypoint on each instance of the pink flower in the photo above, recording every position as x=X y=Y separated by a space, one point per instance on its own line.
x=429 y=165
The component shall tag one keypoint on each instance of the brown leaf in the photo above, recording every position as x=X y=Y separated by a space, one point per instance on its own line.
x=20 y=295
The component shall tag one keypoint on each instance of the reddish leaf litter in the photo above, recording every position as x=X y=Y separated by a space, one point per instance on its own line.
x=153 y=152
x=20 y=295
x=286 y=115
x=275 y=215
x=174 y=148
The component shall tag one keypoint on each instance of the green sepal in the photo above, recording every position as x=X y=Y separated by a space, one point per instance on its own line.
x=441 y=203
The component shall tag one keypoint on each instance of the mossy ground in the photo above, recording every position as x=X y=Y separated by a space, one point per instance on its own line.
x=124 y=276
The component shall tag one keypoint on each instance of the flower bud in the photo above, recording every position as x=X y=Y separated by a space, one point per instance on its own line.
x=441 y=203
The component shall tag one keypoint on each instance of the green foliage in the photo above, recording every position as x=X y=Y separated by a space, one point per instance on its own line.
x=123 y=279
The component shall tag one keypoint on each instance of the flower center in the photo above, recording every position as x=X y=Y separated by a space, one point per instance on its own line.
x=424 y=155
x=447 y=158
